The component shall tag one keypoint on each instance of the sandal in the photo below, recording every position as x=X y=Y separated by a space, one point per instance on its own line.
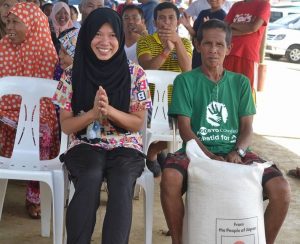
x=33 y=210
x=294 y=173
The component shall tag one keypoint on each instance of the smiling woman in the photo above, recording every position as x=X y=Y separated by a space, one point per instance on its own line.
x=102 y=107
x=60 y=18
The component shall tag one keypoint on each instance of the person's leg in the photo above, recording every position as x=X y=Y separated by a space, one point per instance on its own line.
x=172 y=203
x=124 y=166
x=173 y=184
x=278 y=192
x=153 y=150
x=85 y=164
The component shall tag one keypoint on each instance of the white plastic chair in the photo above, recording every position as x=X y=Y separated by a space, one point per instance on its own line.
x=25 y=163
x=159 y=126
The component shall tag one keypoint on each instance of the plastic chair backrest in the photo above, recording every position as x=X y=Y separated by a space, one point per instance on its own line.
x=163 y=83
x=31 y=89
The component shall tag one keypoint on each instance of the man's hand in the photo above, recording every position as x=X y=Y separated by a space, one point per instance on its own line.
x=205 y=18
x=216 y=157
x=166 y=34
x=139 y=29
x=185 y=20
x=170 y=45
x=233 y=157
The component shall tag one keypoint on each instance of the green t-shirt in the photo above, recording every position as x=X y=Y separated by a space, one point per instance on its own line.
x=214 y=108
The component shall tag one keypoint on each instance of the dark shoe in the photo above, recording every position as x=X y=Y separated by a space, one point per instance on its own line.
x=161 y=157
x=294 y=173
x=154 y=167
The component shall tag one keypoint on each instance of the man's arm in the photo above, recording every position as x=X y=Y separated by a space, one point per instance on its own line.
x=243 y=140
x=171 y=40
x=184 y=59
x=186 y=133
x=239 y=29
x=149 y=62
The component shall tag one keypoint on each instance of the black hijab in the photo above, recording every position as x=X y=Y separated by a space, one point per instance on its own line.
x=89 y=72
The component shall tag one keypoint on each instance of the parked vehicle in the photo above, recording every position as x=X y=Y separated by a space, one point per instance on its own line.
x=284 y=42
x=280 y=11
x=284 y=22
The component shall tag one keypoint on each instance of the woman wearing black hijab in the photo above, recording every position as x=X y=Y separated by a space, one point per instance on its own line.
x=102 y=108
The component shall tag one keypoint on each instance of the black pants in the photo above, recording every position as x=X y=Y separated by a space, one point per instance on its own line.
x=88 y=167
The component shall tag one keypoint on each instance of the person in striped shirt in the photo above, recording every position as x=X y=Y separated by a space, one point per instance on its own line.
x=164 y=50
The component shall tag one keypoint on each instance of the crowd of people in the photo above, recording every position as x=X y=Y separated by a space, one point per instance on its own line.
x=103 y=97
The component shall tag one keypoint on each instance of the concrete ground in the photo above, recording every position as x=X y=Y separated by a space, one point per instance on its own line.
x=277 y=138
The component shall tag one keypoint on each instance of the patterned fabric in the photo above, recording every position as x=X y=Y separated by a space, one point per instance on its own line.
x=106 y=135
x=58 y=28
x=152 y=45
x=69 y=41
x=36 y=56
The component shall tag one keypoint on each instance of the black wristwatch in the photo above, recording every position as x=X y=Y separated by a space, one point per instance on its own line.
x=240 y=151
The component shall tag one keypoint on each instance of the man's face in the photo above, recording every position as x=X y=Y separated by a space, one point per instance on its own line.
x=88 y=7
x=166 y=19
x=131 y=18
x=213 y=47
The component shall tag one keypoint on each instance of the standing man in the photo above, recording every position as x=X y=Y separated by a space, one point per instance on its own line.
x=248 y=20
x=212 y=97
x=87 y=6
x=148 y=7
x=164 y=50
x=134 y=27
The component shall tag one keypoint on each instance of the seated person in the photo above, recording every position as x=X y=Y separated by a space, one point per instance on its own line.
x=134 y=27
x=102 y=107
x=164 y=50
x=215 y=107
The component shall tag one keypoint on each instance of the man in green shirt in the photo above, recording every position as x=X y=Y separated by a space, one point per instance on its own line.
x=215 y=107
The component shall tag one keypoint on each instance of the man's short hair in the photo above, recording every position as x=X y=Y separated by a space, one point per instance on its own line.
x=215 y=24
x=165 y=5
x=83 y=2
x=133 y=7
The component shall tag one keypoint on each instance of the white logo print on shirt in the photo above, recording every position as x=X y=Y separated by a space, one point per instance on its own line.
x=216 y=113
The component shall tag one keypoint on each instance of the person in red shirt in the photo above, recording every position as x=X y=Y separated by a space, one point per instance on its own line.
x=248 y=20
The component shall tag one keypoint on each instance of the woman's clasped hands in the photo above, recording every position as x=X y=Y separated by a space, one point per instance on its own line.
x=101 y=104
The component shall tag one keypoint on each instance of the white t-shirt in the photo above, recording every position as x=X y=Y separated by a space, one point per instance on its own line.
x=197 y=6
x=131 y=53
